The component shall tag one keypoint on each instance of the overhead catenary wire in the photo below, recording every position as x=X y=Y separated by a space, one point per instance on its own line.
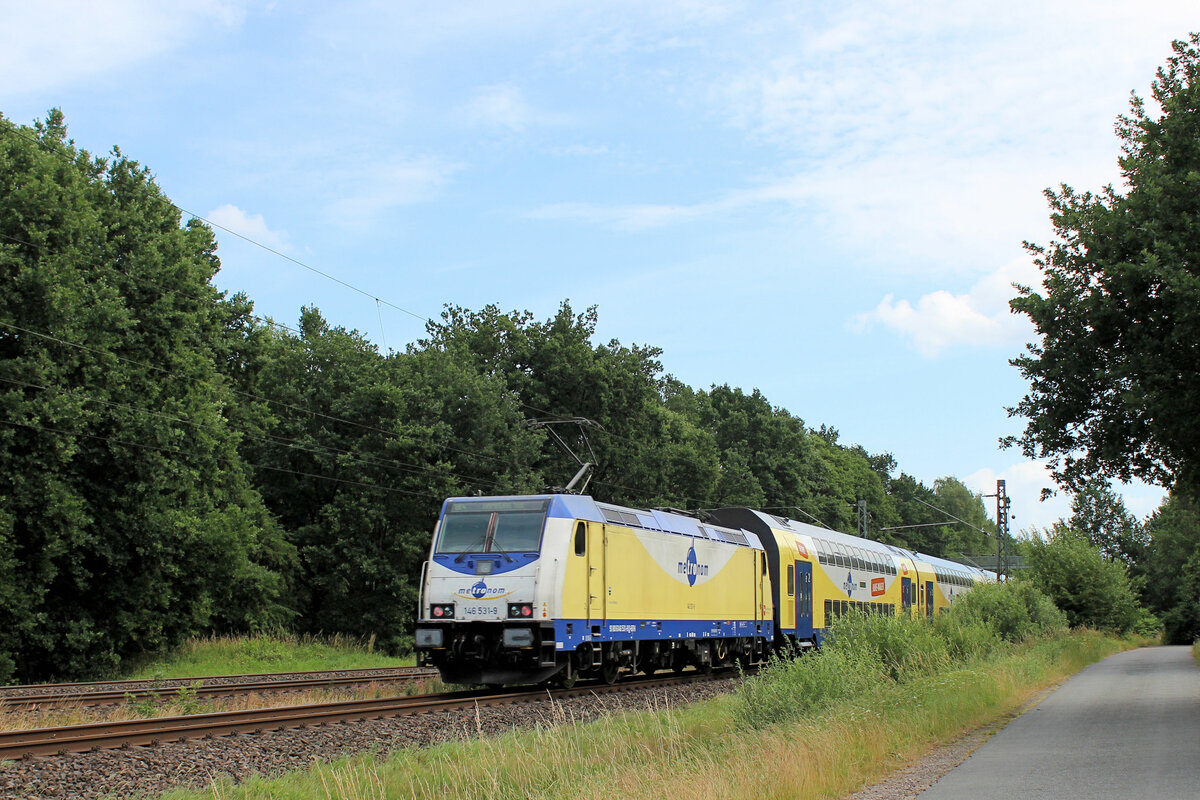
x=250 y=395
x=951 y=516
x=21 y=131
x=290 y=406
x=58 y=152
x=291 y=444
x=178 y=451
x=165 y=290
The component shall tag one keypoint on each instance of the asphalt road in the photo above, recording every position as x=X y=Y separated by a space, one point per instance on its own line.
x=1126 y=727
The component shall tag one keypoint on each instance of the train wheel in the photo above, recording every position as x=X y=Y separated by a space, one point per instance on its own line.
x=609 y=672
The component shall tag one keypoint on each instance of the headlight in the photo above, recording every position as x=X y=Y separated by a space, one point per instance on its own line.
x=442 y=611
x=520 y=610
x=429 y=637
x=518 y=637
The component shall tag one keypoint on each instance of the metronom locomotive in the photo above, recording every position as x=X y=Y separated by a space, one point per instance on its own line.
x=526 y=589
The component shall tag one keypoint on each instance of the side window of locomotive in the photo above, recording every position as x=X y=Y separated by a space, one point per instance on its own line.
x=791 y=580
x=580 y=538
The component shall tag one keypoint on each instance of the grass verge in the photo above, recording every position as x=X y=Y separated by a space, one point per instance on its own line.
x=239 y=655
x=712 y=749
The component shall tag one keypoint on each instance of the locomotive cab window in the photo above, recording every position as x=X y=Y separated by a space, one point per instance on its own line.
x=492 y=526
x=580 y=538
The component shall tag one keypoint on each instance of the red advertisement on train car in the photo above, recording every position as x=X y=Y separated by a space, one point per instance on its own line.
x=877 y=587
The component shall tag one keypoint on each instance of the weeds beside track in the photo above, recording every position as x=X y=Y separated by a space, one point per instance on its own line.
x=713 y=750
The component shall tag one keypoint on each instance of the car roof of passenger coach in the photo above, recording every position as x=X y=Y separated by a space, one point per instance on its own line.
x=946 y=563
x=796 y=526
x=584 y=507
x=828 y=534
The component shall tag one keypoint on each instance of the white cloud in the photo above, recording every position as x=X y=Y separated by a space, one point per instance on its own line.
x=50 y=43
x=627 y=217
x=252 y=227
x=503 y=105
x=369 y=190
x=581 y=150
x=1024 y=482
x=940 y=319
x=644 y=216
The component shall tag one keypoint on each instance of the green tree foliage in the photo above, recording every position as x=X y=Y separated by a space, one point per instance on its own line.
x=1115 y=379
x=360 y=453
x=555 y=371
x=971 y=536
x=770 y=443
x=1099 y=514
x=127 y=520
x=1091 y=590
x=1170 y=568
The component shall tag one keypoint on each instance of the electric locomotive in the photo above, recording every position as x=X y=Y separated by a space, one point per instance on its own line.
x=524 y=589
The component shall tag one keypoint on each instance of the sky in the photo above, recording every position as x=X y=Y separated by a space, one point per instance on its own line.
x=825 y=201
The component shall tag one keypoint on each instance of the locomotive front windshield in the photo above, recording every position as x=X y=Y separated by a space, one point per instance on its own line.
x=492 y=526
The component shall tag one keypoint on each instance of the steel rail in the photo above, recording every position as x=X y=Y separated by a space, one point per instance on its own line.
x=17 y=702
x=142 y=732
x=83 y=686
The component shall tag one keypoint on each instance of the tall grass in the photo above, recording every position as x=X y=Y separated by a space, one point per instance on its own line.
x=881 y=692
x=705 y=751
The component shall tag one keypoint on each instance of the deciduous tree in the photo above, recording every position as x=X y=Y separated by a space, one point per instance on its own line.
x=1115 y=376
x=127 y=519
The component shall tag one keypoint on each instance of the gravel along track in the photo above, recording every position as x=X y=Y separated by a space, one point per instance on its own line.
x=151 y=770
x=14 y=695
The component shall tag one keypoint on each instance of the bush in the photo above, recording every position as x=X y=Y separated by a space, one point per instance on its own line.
x=1015 y=610
x=790 y=688
x=903 y=646
x=1091 y=590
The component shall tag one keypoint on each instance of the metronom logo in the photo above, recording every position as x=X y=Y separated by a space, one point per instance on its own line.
x=691 y=568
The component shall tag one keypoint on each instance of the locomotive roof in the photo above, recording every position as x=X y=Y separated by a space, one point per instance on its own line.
x=584 y=507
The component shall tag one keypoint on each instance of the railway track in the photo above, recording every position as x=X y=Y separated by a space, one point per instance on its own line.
x=100 y=693
x=135 y=733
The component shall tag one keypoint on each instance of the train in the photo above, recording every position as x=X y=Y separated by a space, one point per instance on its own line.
x=554 y=587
